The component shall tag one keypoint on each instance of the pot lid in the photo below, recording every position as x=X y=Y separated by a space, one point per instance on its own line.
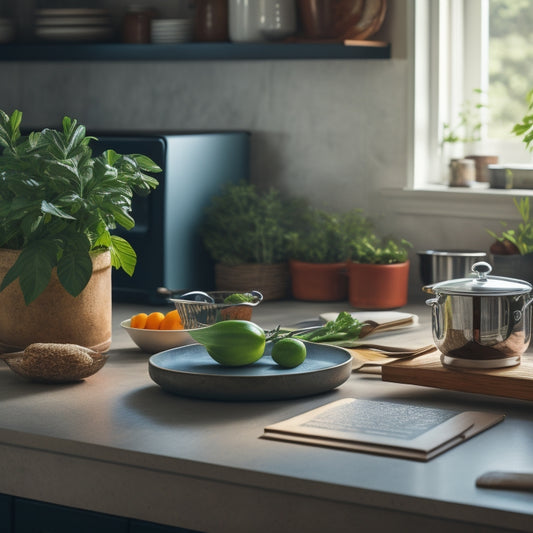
x=481 y=284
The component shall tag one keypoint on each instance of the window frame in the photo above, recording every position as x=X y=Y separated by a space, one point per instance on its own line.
x=449 y=52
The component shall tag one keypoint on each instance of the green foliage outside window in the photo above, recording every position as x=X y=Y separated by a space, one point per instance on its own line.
x=510 y=62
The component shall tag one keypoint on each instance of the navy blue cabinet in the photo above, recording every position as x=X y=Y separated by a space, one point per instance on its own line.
x=18 y=515
x=37 y=517
x=146 y=527
x=6 y=520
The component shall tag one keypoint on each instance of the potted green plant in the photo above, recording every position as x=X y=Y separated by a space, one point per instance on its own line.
x=465 y=168
x=512 y=250
x=58 y=207
x=378 y=272
x=318 y=251
x=244 y=232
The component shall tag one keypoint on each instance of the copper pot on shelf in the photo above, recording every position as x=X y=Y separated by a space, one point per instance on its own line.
x=211 y=21
x=341 y=19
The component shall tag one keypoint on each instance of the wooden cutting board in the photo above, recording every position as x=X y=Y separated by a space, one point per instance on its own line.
x=427 y=370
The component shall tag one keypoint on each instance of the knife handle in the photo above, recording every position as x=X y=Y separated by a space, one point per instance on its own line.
x=506 y=480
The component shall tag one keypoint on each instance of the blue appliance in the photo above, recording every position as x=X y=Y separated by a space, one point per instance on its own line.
x=165 y=237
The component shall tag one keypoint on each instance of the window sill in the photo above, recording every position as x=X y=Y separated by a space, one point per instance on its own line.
x=478 y=202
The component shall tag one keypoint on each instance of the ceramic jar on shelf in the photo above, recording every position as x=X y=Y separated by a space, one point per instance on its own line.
x=136 y=26
x=211 y=21
x=277 y=18
x=261 y=20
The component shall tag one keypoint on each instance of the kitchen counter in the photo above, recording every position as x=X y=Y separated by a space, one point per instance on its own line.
x=118 y=444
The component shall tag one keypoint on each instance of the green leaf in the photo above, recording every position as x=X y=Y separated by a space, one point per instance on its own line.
x=145 y=163
x=122 y=217
x=103 y=241
x=51 y=209
x=14 y=122
x=111 y=157
x=33 y=268
x=122 y=255
x=11 y=275
x=67 y=123
x=74 y=270
x=75 y=140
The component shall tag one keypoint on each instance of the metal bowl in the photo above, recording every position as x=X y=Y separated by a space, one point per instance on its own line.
x=442 y=265
x=198 y=314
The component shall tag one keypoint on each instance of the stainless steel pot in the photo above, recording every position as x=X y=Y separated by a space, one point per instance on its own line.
x=442 y=265
x=481 y=321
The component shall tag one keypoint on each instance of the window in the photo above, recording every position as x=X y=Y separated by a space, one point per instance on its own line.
x=471 y=51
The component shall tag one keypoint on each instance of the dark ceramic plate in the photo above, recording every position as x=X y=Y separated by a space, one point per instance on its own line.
x=190 y=371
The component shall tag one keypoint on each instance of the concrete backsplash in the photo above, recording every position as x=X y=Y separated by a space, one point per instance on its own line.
x=332 y=131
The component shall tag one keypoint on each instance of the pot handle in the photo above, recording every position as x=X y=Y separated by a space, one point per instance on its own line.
x=432 y=301
x=517 y=314
x=524 y=307
x=436 y=316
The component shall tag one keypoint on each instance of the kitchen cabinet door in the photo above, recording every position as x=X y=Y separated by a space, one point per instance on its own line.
x=5 y=513
x=36 y=517
x=146 y=527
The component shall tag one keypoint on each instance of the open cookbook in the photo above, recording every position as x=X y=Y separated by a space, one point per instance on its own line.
x=385 y=428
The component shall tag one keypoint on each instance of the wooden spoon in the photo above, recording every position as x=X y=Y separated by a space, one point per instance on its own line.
x=374 y=327
x=369 y=357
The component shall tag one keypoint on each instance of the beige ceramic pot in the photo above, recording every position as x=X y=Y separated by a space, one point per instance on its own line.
x=56 y=316
x=271 y=280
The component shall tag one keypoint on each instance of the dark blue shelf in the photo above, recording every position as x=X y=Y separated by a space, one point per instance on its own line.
x=188 y=51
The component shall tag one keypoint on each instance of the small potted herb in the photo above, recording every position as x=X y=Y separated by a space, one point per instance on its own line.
x=512 y=250
x=466 y=132
x=58 y=207
x=378 y=272
x=244 y=232
x=318 y=251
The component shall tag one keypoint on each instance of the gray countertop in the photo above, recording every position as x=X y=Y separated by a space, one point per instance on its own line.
x=116 y=443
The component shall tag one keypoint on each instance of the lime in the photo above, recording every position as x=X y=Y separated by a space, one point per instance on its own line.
x=289 y=352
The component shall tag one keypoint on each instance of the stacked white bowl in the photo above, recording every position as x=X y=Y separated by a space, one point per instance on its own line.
x=73 y=24
x=171 y=30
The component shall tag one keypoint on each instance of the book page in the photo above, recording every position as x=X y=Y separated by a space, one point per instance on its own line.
x=385 y=425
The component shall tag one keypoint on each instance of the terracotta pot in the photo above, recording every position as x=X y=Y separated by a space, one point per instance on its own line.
x=319 y=282
x=378 y=286
x=56 y=316
x=272 y=281
x=317 y=18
